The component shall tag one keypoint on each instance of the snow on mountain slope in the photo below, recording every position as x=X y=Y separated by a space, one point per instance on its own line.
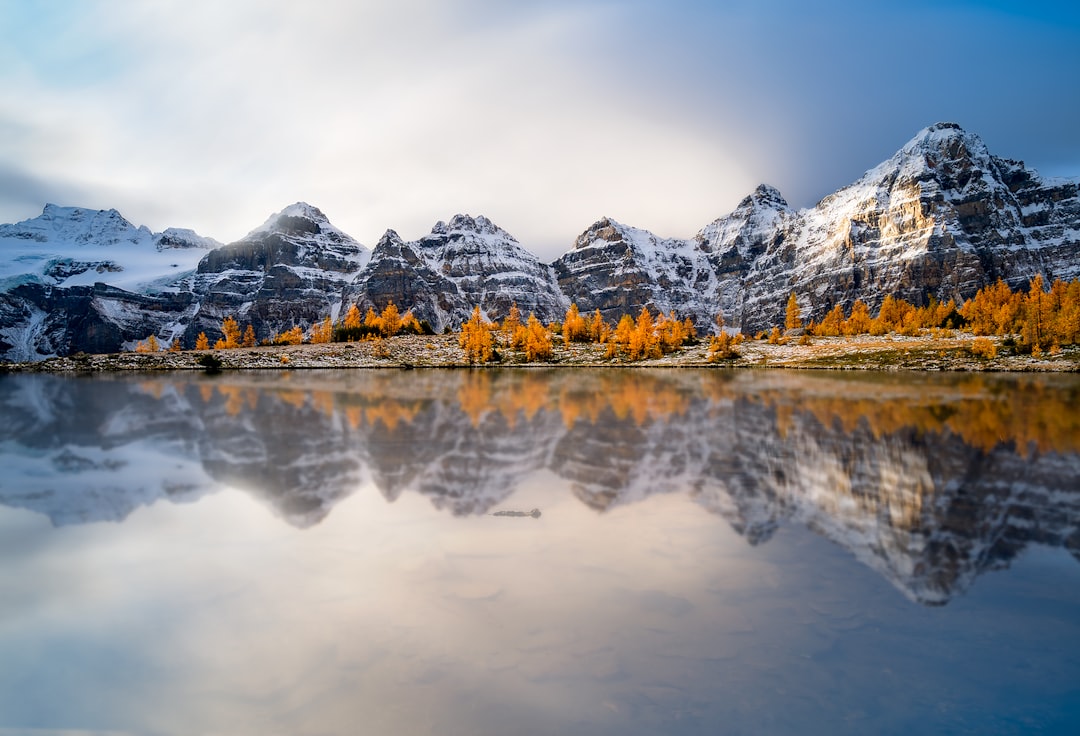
x=288 y=271
x=461 y=264
x=941 y=218
x=72 y=246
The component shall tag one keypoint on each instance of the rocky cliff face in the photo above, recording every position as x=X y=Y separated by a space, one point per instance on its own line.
x=940 y=219
x=289 y=271
x=88 y=280
x=461 y=264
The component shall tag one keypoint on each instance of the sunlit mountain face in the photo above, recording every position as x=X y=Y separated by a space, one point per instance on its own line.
x=928 y=480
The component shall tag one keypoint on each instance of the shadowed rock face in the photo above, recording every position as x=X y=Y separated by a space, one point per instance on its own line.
x=289 y=271
x=929 y=481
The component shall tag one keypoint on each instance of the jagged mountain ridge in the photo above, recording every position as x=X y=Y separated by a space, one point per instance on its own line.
x=290 y=270
x=467 y=262
x=940 y=219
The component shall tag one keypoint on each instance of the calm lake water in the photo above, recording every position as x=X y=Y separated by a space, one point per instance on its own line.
x=715 y=552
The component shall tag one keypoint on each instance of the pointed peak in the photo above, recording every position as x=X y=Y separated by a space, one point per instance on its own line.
x=946 y=140
x=390 y=237
x=606 y=229
x=303 y=209
x=764 y=196
x=464 y=224
x=299 y=218
x=468 y=223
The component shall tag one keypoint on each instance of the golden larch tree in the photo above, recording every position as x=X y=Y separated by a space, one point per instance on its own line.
x=537 y=340
x=793 y=315
x=352 y=318
x=476 y=339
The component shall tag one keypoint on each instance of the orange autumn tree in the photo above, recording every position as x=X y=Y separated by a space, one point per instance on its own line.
x=574 y=327
x=322 y=331
x=511 y=323
x=537 y=342
x=294 y=336
x=230 y=339
x=202 y=342
x=476 y=339
x=150 y=345
x=793 y=315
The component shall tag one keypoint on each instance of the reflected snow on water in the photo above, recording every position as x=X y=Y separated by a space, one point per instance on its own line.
x=331 y=551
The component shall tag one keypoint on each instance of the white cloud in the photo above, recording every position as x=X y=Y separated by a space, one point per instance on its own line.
x=543 y=116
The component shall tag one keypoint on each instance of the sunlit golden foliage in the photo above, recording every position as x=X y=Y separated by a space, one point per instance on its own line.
x=230 y=339
x=776 y=337
x=832 y=325
x=722 y=345
x=150 y=345
x=983 y=347
x=1042 y=319
x=352 y=318
x=475 y=338
x=858 y=322
x=792 y=314
x=294 y=336
x=201 y=342
x=537 y=340
x=320 y=332
x=994 y=310
x=574 y=327
x=511 y=323
x=599 y=329
x=646 y=337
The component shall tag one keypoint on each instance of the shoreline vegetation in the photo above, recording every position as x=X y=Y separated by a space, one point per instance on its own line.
x=996 y=330
x=861 y=352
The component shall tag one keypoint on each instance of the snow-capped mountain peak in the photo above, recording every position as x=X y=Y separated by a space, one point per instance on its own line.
x=77 y=226
x=297 y=219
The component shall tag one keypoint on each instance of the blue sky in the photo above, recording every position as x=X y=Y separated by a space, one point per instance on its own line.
x=544 y=116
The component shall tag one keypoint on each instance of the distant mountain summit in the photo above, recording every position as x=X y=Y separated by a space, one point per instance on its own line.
x=290 y=270
x=940 y=218
x=467 y=262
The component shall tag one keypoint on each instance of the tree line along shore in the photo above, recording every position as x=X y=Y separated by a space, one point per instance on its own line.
x=998 y=329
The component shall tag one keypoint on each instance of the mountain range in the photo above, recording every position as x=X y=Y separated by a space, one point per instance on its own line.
x=939 y=219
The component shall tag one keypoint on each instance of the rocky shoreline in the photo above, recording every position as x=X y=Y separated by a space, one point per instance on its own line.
x=864 y=352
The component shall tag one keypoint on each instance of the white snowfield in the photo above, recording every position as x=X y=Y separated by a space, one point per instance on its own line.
x=72 y=246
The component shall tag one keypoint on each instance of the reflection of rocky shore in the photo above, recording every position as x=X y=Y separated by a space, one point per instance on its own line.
x=928 y=480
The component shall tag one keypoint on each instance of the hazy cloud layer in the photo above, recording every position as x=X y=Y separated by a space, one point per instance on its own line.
x=544 y=116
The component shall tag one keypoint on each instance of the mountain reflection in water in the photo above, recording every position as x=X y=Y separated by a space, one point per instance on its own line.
x=929 y=480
